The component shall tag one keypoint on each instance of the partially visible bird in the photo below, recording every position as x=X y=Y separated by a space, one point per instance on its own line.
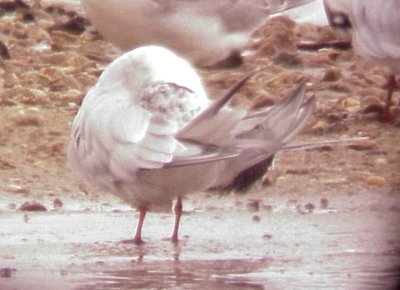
x=374 y=26
x=148 y=133
x=206 y=32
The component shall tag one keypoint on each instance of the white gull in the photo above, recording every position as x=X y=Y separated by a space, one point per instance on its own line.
x=374 y=26
x=148 y=133
x=203 y=31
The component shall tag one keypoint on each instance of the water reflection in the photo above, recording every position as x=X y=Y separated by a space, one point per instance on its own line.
x=176 y=274
x=164 y=266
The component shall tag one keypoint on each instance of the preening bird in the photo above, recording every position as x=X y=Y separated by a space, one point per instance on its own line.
x=205 y=32
x=374 y=27
x=148 y=133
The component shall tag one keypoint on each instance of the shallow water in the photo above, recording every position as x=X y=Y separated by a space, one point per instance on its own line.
x=224 y=245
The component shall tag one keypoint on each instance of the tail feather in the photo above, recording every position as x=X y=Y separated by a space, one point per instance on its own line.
x=260 y=135
x=279 y=124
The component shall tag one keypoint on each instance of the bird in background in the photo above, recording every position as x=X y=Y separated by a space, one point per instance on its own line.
x=148 y=133
x=374 y=28
x=205 y=32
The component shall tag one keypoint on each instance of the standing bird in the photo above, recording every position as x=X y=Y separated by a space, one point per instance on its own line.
x=374 y=27
x=206 y=32
x=148 y=133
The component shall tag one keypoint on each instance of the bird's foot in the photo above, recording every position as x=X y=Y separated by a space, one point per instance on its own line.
x=391 y=85
x=174 y=239
x=387 y=116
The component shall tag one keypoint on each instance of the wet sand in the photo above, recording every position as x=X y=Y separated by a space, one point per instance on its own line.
x=226 y=244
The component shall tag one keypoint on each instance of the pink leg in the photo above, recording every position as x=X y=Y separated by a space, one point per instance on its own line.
x=138 y=236
x=178 y=213
x=391 y=85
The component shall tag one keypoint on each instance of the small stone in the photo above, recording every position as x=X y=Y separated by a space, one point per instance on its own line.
x=267 y=236
x=300 y=170
x=395 y=110
x=363 y=145
x=56 y=148
x=15 y=188
x=380 y=162
x=262 y=101
x=300 y=209
x=267 y=207
x=372 y=104
x=7 y=272
x=27 y=120
x=253 y=205
x=323 y=202
x=82 y=188
x=331 y=75
x=375 y=180
x=256 y=218
x=309 y=207
x=32 y=206
x=57 y=203
x=6 y=165
x=351 y=104
x=287 y=59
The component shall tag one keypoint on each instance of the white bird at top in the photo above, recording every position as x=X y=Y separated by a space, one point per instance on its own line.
x=205 y=32
x=148 y=133
x=374 y=26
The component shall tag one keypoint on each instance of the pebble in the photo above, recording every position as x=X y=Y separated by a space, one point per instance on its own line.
x=375 y=180
x=324 y=203
x=57 y=203
x=6 y=165
x=372 y=104
x=332 y=74
x=4 y=53
x=267 y=236
x=268 y=207
x=380 y=162
x=15 y=188
x=253 y=205
x=287 y=59
x=309 y=206
x=32 y=206
x=351 y=103
x=256 y=218
x=396 y=115
x=7 y=272
x=27 y=120
x=323 y=127
x=363 y=145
